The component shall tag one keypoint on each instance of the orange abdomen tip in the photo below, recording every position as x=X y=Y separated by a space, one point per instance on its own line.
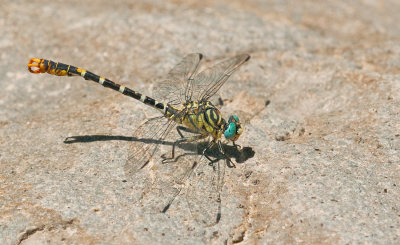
x=37 y=63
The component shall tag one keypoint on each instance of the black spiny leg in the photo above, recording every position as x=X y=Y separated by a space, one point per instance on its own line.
x=239 y=147
x=221 y=149
x=210 y=145
x=182 y=140
x=179 y=128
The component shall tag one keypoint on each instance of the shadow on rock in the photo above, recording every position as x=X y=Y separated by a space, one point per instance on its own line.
x=239 y=154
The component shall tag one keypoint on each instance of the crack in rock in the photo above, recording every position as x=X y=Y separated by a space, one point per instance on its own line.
x=30 y=231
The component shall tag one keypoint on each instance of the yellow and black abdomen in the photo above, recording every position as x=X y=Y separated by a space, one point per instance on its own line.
x=60 y=69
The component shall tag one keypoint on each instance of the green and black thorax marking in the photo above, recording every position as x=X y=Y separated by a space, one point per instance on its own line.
x=202 y=117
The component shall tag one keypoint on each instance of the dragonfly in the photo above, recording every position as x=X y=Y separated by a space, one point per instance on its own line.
x=184 y=100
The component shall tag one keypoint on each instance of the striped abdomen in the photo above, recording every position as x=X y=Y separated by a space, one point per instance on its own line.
x=60 y=69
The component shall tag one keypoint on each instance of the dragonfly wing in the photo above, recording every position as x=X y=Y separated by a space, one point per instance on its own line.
x=172 y=90
x=170 y=178
x=209 y=81
x=148 y=138
x=204 y=191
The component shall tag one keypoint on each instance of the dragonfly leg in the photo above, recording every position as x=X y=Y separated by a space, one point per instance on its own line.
x=237 y=146
x=221 y=149
x=211 y=144
x=179 y=128
x=182 y=140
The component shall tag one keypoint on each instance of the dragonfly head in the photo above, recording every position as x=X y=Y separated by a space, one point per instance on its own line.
x=233 y=128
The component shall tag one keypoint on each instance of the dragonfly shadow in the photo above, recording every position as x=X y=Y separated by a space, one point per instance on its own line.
x=233 y=152
x=99 y=137
x=239 y=154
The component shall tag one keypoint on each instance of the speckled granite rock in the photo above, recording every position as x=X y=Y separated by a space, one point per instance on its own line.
x=320 y=99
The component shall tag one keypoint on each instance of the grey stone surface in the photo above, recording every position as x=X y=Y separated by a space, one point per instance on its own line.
x=326 y=163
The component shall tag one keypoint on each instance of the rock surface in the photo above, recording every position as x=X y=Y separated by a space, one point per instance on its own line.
x=319 y=98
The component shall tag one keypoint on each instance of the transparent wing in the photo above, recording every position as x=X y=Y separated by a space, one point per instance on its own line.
x=204 y=191
x=170 y=178
x=173 y=89
x=194 y=173
x=148 y=138
x=208 y=82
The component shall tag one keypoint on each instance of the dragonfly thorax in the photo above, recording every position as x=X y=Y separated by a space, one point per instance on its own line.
x=201 y=117
x=204 y=118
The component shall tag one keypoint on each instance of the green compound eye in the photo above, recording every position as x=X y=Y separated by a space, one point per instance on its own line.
x=230 y=131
